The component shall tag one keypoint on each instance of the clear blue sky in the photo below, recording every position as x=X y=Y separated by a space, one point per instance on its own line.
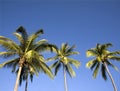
x=80 y=22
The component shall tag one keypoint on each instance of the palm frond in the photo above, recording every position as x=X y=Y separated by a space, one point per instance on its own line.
x=9 y=62
x=46 y=47
x=9 y=44
x=7 y=54
x=70 y=70
x=71 y=53
x=76 y=63
x=34 y=67
x=39 y=32
x=46 y=69
x=23 y=32
x=57 y=68
x=64 y=47
x=31 y=39
x=19 y=37
x=71 y=49
x=112 y=65
x=116 y=58
x=113 y=53
x=91 y=53
x=105 y=46
x=52 y=58
x=54 y=64
x=103 y=71
x=91 y=63
x=96 y=70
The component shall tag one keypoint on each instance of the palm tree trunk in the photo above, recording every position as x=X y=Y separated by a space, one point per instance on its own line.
x=26 y=85
x=113 y=83
x=65 y=81
x=17 y=80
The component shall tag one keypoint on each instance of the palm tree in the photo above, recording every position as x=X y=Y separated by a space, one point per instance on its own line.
x=28 y=59
x=102 y=59
x=62 y=59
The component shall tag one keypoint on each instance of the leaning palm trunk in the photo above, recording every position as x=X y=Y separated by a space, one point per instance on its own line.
x=65 y=81
x=113 y=83
x=18 y=78
x=26 y=85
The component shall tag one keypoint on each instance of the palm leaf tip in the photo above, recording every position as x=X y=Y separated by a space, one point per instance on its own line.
x=1 y=65
x=89 y=64
x=89 y=53
x=40 y=32
x=20 y=29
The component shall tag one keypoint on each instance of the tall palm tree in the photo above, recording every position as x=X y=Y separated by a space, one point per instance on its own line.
x=28 y=59
x=102 y=59
x=62 y=59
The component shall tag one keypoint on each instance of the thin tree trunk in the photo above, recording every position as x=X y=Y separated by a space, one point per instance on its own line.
x=26 y=85
x=65 y=81
x=113 y=83
x=17 y=79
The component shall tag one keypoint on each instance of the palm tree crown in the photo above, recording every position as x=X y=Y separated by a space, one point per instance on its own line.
x=101 y=59
x=62 y=57
x=28 y=58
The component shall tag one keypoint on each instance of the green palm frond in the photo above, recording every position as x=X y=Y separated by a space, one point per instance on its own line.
x=52 y=58
x=91 y=63
x=7 y=54
x=70 y=70
x=71 y=53
x=9 y=62
x=94 y=64
x=23 y=33
x=96 y=70
x=46 y=69
x=31 y=39
x=103 y=72
x=112 y=65
x=115 y=53
x=58 y=66
x=105 y=46
x=70 y=49
x=19 y=37
x=116 y=58
x=39 y=32
x=44 y=47
x=41 y=41
x=34 y=67
x=64 y=47
x=91 y=53
x=54 y=64
x=9 y=44
x=76 y=63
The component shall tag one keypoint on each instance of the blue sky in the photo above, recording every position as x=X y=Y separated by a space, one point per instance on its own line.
x=80 y=22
